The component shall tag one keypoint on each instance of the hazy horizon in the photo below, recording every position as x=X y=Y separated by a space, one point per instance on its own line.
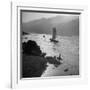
x=32 y=16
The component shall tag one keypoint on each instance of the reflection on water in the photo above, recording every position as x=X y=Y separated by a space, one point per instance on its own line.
x=68 y=47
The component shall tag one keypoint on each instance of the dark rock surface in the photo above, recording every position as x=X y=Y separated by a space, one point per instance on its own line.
x=33 y=66
x=66 y=70
x=31 y=48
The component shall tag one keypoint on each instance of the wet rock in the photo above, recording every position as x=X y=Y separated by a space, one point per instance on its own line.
x=65 y=70
x=53 y=60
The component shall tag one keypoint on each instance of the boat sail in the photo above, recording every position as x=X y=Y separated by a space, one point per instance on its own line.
x=53 y=39
x=54 y=33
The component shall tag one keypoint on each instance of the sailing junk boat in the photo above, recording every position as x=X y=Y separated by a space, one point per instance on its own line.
x=53 y=39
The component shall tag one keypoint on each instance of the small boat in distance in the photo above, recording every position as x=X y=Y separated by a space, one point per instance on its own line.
x=53 y=39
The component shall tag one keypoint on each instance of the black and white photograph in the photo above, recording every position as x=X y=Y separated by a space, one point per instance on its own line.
x=49 y=44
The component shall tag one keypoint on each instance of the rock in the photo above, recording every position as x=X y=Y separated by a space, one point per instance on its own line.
x=33 y=66
x=43 y=36
x=43 y=54
x=65 y=70
x=53 y=60
x=31 y=48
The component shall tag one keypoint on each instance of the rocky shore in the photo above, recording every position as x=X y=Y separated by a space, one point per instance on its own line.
x=34 y=61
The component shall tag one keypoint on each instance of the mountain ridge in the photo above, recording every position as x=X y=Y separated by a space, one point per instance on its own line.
x=65 y=26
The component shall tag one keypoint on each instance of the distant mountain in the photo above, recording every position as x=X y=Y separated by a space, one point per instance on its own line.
x=65 y=26
x=69 y=28
x=37 y=26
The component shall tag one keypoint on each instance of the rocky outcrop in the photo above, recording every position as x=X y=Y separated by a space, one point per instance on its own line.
x=31 y=48
x=34 y=62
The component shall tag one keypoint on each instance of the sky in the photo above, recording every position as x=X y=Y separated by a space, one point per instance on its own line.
x=27 y=16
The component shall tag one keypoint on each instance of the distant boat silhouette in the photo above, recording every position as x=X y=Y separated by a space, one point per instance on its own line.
x=53 y=39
